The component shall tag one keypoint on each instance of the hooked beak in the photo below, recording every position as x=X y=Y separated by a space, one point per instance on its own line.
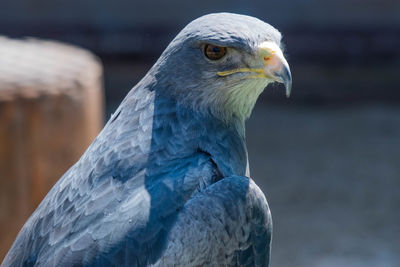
x=275 y=65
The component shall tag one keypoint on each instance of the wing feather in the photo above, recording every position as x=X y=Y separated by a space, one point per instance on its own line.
x=227 y=224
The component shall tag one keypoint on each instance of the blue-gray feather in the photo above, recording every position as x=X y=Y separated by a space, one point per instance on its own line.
x=163 y=183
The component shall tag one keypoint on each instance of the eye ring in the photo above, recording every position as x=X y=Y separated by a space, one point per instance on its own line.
x=214 y=52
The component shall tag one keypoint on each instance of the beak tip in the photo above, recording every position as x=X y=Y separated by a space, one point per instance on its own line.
x=288 y=87
x=285 y=77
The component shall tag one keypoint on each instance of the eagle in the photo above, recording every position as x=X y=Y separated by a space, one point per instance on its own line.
x=167 y=182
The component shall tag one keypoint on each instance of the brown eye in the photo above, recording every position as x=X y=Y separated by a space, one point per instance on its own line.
x=214 y=52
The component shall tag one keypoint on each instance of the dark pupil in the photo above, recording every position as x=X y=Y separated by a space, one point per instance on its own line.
x=214 y=52
x=216 y=49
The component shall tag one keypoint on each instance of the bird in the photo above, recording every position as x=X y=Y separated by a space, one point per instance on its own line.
x=167 y=182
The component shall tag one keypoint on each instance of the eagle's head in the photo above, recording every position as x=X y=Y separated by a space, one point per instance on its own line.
x=220 y=63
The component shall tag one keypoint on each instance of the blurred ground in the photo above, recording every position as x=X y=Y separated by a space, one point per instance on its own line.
x=331 y=177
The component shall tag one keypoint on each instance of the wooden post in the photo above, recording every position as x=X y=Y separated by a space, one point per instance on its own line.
x=51 y=108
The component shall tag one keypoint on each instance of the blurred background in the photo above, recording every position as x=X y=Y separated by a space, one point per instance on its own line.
x=327 y=158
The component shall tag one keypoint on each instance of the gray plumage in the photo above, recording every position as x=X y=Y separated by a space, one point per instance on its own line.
x=165 y=182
